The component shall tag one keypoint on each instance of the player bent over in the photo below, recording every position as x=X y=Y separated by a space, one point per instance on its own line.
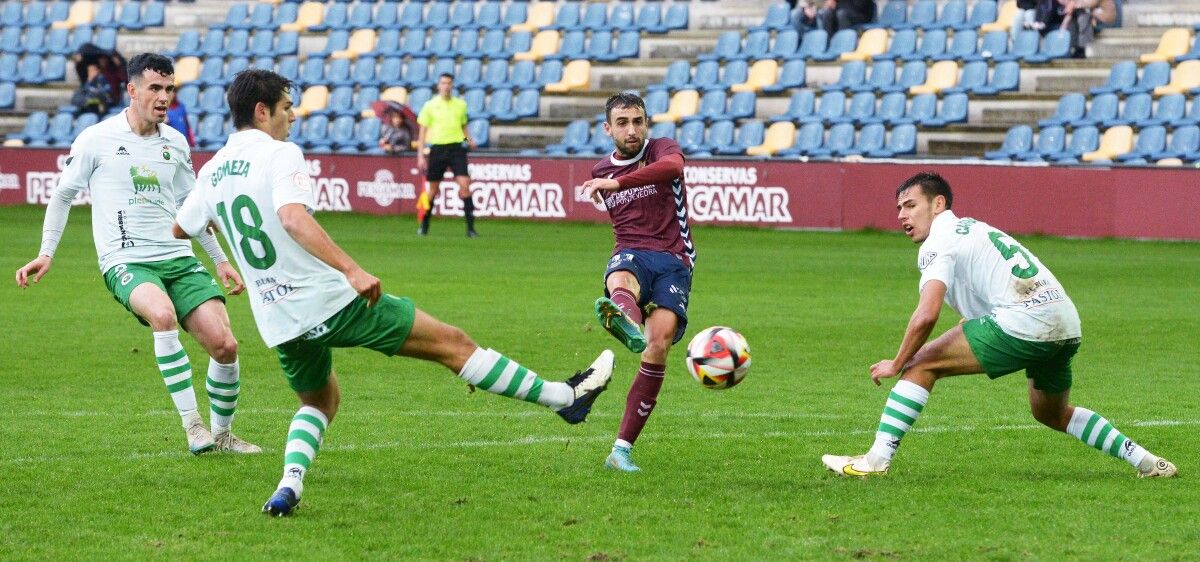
x=1017 y=316
x=310 y=296
x=641 y=184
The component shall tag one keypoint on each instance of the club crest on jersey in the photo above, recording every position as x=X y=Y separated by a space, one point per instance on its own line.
x=166 y=154
x=926 y=259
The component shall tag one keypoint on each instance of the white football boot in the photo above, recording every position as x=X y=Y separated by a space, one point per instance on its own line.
x=854 y=466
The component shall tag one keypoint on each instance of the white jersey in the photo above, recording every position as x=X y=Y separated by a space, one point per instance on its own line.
x=137 y=184
x=240 y=190
x=986 y=272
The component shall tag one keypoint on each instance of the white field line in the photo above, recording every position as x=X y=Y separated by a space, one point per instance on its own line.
x=351 y=413
x=567 y=439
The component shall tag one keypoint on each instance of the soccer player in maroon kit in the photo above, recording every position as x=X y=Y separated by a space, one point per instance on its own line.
x=649 y=276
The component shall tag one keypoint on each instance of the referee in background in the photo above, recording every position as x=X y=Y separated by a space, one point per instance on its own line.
x=443 y=121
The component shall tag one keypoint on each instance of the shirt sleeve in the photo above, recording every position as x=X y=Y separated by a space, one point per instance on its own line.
x=424 y=117
x=661 y=147
x=290 y=182
x=76 y=175
x=185 y=175
x=192 y=216
x=936 y=261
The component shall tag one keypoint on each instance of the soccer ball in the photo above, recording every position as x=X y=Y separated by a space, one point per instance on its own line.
x=718 y=357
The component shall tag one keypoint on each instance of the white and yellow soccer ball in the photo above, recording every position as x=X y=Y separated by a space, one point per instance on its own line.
x=718 y=357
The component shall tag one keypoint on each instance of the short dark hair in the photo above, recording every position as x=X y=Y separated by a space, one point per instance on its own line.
x=250 y=87
x=932 y=184
x=152 y=61
x=446 y=75
x=623 y=100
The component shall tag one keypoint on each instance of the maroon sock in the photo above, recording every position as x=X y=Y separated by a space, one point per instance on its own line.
x=625 y=300
x=643 y=395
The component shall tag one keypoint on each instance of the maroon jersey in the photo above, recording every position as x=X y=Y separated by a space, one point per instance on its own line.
x=648 y=217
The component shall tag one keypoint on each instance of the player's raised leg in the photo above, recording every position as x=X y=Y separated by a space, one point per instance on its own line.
x=487 y=369
x=619 y=313
x=152 y=304
x=1053 y=410
x=948 y=355
x=305 y=433
x=643 y=393
x=209 y=324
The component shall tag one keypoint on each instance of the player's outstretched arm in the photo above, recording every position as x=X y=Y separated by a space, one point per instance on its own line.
x=920 y=325
x=307 y=232
x=35 y=269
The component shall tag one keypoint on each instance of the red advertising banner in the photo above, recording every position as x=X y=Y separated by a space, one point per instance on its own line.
x=1084 y=201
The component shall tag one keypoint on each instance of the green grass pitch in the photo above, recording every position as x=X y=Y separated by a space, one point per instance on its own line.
x=93 y=463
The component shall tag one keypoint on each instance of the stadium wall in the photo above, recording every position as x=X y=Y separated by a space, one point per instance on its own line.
x=1065 y=201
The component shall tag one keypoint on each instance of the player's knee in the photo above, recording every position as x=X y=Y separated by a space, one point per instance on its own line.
x=226 y=349
x=657 y=348
x=161 y=319
x=1053 y=418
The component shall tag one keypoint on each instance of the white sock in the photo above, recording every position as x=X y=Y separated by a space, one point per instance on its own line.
x=904 y=404
x=1097 y=432
x=304 y=440
x=176 y=372
x=223 y=386
x=623 y=444
x=495 y=373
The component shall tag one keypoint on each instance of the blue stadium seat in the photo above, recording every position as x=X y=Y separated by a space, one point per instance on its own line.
x=500 y=106
x=527 y=103
x=678 y=74
x=657 y=101
x=575 y=134
x=519 y=42
x=363 y=99
x=341 y=133
x=1050 y=140
x=843 y=41
x=1083 y=139
x=870 y=138
x=492 y=44
x=337 y=72
x=480 y=131
x=261 y=17
x=12 y=14
x=1024 y=44
x=734 y=72
x=903 y=43
x=706 y=75
x=1123 y=75
x=922 y=16
x=1185 y=144
x=922 y=108
x=105 y=39
x=911 y=74
x=235 y=17
x=974 y=75
x=676 y=16
x=495 y=75
x=362 y=73
x=663 y=130
x=262 y=43
x=1006 y=77
x=1017 y=140
x=289 y=67
x=416 y=73
x=212 y=100
x=314 y=131
x=489 y=15
x=413 y=43
x=55 y=68
x=462 y=16
x=993 y=45
x=891 y=109
x=439 y=42
x=566 y=18
x=367 y=134
x=82 y=122
x=10 y=40
x=213 y=44
x=341 y=102
x=235 y=65
x=812 y=44
x=649 y=18
x=809 y=137
x=1150 y=140
x=37 y=16
x=387 y=44
x=417 y=98
x=79 y=36
x=1192 y=54
x=719 y=134
x=29 y=70
x=9 y=63
x=293 y=131
x=712 y=106
x=336 y=40
x=468 y=75
x=1153 y=75
x=1056 y=45
x=595 y=18
x=411 y=17
x=953 y=109
x=284 y=13
x=962 y=46
x=58 y=41
x=839 y=139
x=36 y=126
x=466 y=44
x=784 y=45
x=690 y=135
x=799 y=106
x=862 y=106
x=189 y=96
x=188 y=44
x=153 y=14
x=893 y=15
x=757 y=46
x=1071 y=108
x=628 y=45
x=933 y=44
x=1136 y=108
x=312 y=71
x=476 y=100
x=902 y=140
x=8 y=95
x=600 y=46
x=336 y=16
x=34 y=41
x=548 y=73
x=984 y=11
x=953 y=14
x=777 y=18
x=729 y=46
x=831 y=106
x=1169 y=109
x=791 y=75
x=853 y=73
x=749 y=134
x=59 y=127
x=1102 y=108
x=741 y=106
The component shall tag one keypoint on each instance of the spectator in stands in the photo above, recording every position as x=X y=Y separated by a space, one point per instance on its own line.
x=1049 y=16
x=443 y=121
x=94 y=94
x=836 y=15
x=804 y=15
x=112 y=66
x=177 y=119
x=396 y=136
x=1078 y=21
x=1026 y=16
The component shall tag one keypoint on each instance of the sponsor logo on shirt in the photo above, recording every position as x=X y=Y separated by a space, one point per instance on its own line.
x=926 y=259
x=144 y=179
x=271 y=291
x=122 y=152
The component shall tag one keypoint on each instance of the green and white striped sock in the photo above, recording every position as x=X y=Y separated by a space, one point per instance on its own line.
x=495 y=373
x=904 y=404
x=176 y=371
x=303 y=442
x=1097 y=432
x=223 y=386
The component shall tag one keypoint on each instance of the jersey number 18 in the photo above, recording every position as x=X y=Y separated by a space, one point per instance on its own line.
x=248 y=231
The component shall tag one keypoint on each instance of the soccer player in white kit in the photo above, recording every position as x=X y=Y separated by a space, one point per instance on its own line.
x=1016 y=316
x=308 y=296
x=139 y=170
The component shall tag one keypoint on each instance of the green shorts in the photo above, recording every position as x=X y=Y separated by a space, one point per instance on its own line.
x=308 y=359
x=1048 y=363
x=184 y=280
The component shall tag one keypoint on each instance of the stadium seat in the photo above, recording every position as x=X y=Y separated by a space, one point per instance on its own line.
x=361 y=41
x=728 y=46
x=1017 y=140
x=678 y=75
x=1102 y=108
x=873 y=42
x=952 y=16
x=843 y=41
x=362 y=73
x=974 y=75
x=777 y=18
x=1024 y=45
x=262 y=43
x=387 y=44
x=577 y=76
x=284 y=14
x=438 y=16
x=921 y=16
x=942 y=75
x=649 y=18
x=12 y=15
x=933 y=44
x=600 y=46
x=34 y=41
x=8 y=95
x=1185 y=143
x=1153 y=75
x=1115 y=142
x=676 y=16
x=337 y=72
x=733 y=72
x=993 y=46
x=82 y=12
x=1056 y=45
x=476 y=101
x=366 y=137
x=314 y=98
x=777 y=137
x=690 y=136
x=903 y=43
x=902 y=140
x=410 y=16
x=548 y=72
x=962 y=46
x=1050 y=140
x=870 y=138
x=261 y=17
x=36 y=14
x=1136 y=108
x=742 y=105
x=1150 y=140
x=762 y=74
x=335 y=19
x=890 y=110
x=862 y=106
x=1185 y=78
x=575 y=135
x=784 y=45
x=1169 y=109
x=982 y=12
x=893 y=15
x=911 y=74
x=187 y=69
x=58 y=42
x=757 y=46
x=539 y=15
x=544 y=43
x=791 y=75
x=212 y=101
x=36 y=126
x=747 y=135
x=572 y=45
x=567 y=17
x=853 y=73
x=489 y=16
x=1174 y=43
x=812 y=44
x=718 y=134
x=923 y=108
x=310 y=14
x=58 y=128
x=1003 y=21
x=500 y=106
x=712 y=106
x=9 y=64
x=188 y=44
x=800 y=106
x=1006 y=77
x=953 y=109
x=82 y=122
x=314 y=132
x=1123 y=75
x=416 y=73
x=466 y=44
x=153 y=15
x=527 y=103
x=235 y=17
x=831 y=106
x=1071 y=108
x=839 y=140
x=809 y=137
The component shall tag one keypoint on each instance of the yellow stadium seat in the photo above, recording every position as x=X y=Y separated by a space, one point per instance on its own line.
x=81 y=13
x=1170 y=162
x=1008 y=12
x=1184 y=77
x=683 y=103
x=540 y=15
x=778 y=137
x=544 y=43
x=14 y=143
x=942 y=75
x=1174 y=42
x=763 y=73
x=361 y=41
x=577 y=75
x=1116 y=141
x=187 y=69
x=314 y=98
x=398 y=94
x=309 y=14
x=873 y=42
